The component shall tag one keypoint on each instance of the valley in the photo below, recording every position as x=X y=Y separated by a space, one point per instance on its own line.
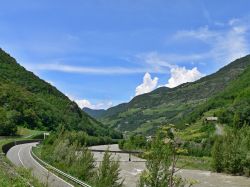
x=152 y=93
x=180 y=115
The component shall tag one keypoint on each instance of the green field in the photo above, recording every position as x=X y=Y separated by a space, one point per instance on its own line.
x=189 y=162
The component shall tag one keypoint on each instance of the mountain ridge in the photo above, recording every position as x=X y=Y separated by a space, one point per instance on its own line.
x=144 y=113
x=95 y=113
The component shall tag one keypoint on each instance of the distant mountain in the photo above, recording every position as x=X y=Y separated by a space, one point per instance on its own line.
x=28 y=101
x=146 y=112
x=94 y=113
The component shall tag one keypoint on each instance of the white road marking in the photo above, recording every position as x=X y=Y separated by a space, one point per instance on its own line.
x=20 y=157
x=47 y=170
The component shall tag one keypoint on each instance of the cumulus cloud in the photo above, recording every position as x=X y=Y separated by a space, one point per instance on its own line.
x=82 y=103
x=181 y=75
x=178 y=74
x=147 y=85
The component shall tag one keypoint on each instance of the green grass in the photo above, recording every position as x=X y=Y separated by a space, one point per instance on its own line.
x=197 y=131
x=22 y=134
x=3 y=142
x=190 y=162
x=28 y=133
x=16 y=177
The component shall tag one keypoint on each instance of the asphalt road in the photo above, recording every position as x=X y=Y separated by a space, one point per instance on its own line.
x=20 y=155
x=131 y=171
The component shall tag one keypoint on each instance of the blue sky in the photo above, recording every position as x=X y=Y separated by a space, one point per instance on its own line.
x=104 y=52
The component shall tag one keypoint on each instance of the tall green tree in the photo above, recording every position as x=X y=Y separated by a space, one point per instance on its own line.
x=158 y=163
x=8 y=120
x=108 y=173
x=161 y=161
x=84 y=166
x=231 y=153
x=217 y=155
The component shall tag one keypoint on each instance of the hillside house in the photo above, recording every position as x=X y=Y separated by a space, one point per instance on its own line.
x=211 y=119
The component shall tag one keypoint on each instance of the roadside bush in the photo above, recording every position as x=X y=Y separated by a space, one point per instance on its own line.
x=161 y=162
x=231 y=153
x=108 y=173
x=217 y=154
x=134 y=142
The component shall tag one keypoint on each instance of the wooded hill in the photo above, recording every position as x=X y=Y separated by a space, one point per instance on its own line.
x=26 y=100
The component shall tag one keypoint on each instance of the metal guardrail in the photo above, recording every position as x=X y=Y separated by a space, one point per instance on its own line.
x=60 y=172
x=127 y=152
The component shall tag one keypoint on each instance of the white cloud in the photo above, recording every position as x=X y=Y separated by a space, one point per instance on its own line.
x=202 y=33
x=82 y=103
x=155 y=60
x=84 y=69
x=147 y=85
x=181 y=75
x=233 y=21
x=163 y=62
x=103 y=105
x=178 y=74
x=226 y=44
x=231 y=45
x=50 y=82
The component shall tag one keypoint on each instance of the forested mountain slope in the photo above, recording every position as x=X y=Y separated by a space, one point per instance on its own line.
x=28 y=101
x=231 y=106
x=146 y=112
x=94 y=112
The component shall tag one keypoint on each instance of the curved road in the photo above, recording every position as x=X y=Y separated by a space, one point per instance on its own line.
x=20 y=155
